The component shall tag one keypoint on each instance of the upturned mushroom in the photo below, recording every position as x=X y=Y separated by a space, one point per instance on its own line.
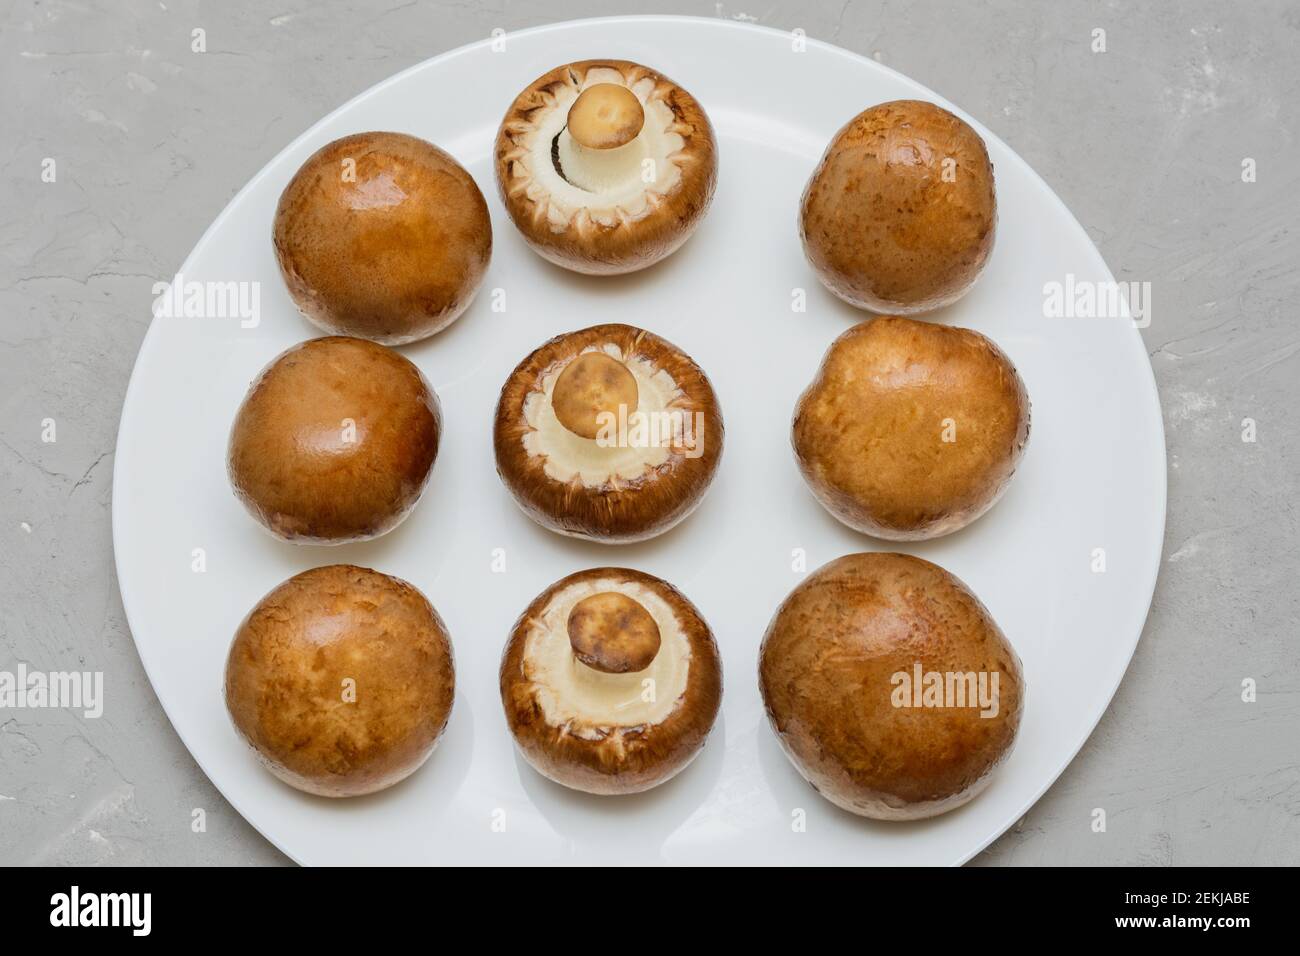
x=911 y=430
x=611 y=681
x=890 y=686
x=899 y=216
x=609 y=433
x=605 y=166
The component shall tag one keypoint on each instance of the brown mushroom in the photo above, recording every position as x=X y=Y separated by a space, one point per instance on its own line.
x=610 y=433
x=910 y=429
x=605 y=166
x=900 y=214
x=334 y=442
x=341 y=680
x=382 y=236
x=581 y=710
x=890 y=687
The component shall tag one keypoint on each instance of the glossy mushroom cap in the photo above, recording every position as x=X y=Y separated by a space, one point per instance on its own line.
x=605 y=166
x=899 y=216
x=341 y=680
x=911 y=430
x=334 y=442
x=611 y=434
x=382 y=236
x=611 y=681
x=845 y=671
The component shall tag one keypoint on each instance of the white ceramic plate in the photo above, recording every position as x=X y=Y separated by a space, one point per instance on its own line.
x=1093 y=477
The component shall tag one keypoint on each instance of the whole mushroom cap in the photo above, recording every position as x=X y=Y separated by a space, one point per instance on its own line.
x=334 y=442
x=585 y=191
x=382 y=236
x=899 y=216
x=602 y=729
x=342 y=680
x=628 y=483
x=911 y=430
x=838 y=672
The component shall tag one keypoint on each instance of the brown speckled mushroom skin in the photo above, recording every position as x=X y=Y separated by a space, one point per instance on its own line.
x=634 y=761
x=880 y=225
x=289 y=461
x=393 y=255
x=825 y=669
x=868 y=431
x=589 y=247
x=632 y=510
x=286 y=669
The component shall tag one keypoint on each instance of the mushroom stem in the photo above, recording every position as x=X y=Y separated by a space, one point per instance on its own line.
x=605 y=116
x=592 y=386
x=612 y=633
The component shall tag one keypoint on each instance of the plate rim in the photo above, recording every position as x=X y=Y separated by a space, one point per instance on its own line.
x=117 y=518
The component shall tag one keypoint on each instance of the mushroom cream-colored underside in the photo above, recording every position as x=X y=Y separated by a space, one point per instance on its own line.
x=596 y=462
x=612 y=185
x=591 y=704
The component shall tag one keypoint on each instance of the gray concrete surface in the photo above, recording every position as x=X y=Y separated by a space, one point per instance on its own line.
x=1145 y=143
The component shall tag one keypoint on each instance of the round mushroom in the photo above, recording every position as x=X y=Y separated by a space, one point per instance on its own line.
x=900 y=214
x=334 y=441
x=911 y=430
x=382 y=236
x=605 y=166
x=611 y=681
x=610 y=433
x=890 y=687
x=341 y=680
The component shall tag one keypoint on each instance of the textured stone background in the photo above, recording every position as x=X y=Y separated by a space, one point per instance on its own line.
x=1144 y=143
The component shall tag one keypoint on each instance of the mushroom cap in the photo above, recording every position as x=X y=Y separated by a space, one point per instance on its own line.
x=886 y=224
x=615 y=495
x=828 y=669
x=382 y=236
x=590 y=236
x=611 y=757
x=911 y=430
x=334 y=442
x=288 y=670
